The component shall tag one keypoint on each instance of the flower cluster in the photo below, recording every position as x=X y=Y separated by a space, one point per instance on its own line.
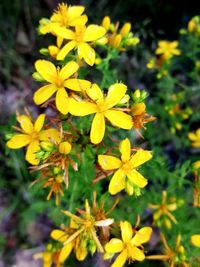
x=102 y=117
x=55 y=144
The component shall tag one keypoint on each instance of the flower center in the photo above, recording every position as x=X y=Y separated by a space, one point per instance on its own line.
x=34 y=135
x=127 y=166
x=79 y=34
x=101 y=106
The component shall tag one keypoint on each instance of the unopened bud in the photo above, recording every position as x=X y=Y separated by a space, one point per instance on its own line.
x=125 y=29
x=37 y=77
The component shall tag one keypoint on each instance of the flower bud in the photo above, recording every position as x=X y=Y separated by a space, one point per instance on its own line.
x=65 y=148
x=125 y=29
x=106 y=23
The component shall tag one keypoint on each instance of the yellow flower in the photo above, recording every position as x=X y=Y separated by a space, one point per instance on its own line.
x=168 y=49
x=130 y=246
x=126 y=177
x=174 y=256
x=163 y=211
x=58 y=80
x=31 y=135
x=80 y=39
x=195 y=239
x=104 y=108
x=81 y=235
x=195 y=138
x=65 y=16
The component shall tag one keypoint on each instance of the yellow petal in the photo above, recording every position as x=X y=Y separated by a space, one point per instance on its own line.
x=68 y=70
x=106 y=23
x=50 y=135
x=137 y=254
x=32 y=149
x=62 y=32
x=93 y=32
x=195 y=239
x=44 y=93
x=65 y=147
x=65 y=50
x=109 y=162
x=82 y=108
x=25 y=123
x=18 y=141
x=140 y=157
x=172 y=206
x=198 y=133
x=121 y=259
x=75 y=11
x=59 y=235
x=65 y=252
x=77 y=84
x=115 y=93
x=126 y=231
x=174 y=44
x=39 y=123
x=47 y=70
x=125 y=150
x=192 y=136
x=119 y=119
x=137 y=178
x=142 y=236
x=62 y=101
x=115 y=245
x=81 y=253
x=47 y=259
x=95 y=93
x=125 y=29
x=117 y=182
x=97 y=129
x=79 y=21
x=86 y=52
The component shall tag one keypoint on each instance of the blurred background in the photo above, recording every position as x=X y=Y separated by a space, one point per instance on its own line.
x=23 y=225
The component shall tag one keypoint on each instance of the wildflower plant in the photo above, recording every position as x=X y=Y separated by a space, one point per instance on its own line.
x=96 y=149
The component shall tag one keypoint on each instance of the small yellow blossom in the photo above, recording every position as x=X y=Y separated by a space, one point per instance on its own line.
x=31 y=136
x=195 y=138
x=130 y=246
x=81 y=40
x=126 y=177
x=176 y=256
x=58 y=80
x=65 y=16
x=168 y=49
x=163 y=211
x=103 y=107
x=195 y=239
x=81 y=235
